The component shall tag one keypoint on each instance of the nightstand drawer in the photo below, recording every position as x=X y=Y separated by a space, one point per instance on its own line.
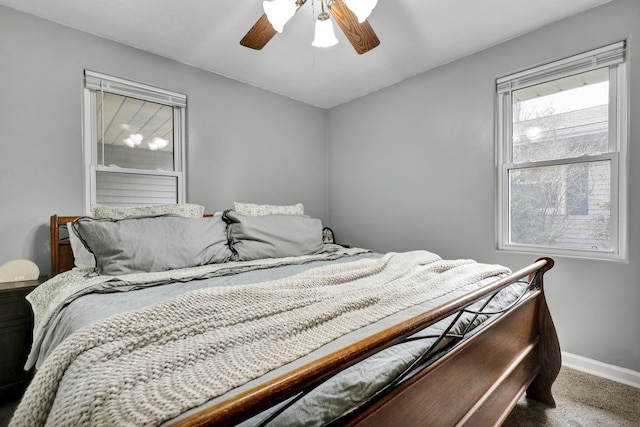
x=14 y=308
x=15 y=342
x=15 y=336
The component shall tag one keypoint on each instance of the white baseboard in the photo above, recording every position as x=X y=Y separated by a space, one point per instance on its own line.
x=600 y=369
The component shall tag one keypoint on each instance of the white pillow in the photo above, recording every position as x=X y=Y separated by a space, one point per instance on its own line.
x=253 y=209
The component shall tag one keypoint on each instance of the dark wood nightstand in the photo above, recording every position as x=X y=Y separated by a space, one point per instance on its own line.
x=16 y=328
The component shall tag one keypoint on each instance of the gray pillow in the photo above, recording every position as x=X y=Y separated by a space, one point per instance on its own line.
x=156 y=243
x=82 y=258
x=272 y=236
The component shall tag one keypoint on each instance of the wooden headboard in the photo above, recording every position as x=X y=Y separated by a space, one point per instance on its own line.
x=61 y=254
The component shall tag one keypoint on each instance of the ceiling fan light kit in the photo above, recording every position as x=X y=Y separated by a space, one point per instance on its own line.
x=325 y=36
x=352 y=22
x=279 y=12
x=362 y=8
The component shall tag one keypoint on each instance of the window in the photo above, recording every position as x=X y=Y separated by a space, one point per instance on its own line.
x=562 y=132
x=133 y=143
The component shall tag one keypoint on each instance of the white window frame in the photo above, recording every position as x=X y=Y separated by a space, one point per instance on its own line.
x=94 y=84
x=612 y=56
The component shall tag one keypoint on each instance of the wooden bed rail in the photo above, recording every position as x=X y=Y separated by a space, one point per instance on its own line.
x=254 y=401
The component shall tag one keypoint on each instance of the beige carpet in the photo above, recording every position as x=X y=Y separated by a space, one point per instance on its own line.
x=582 y=400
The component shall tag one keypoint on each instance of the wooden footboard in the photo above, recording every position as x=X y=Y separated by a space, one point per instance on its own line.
x=476 y=383
x=481 y=381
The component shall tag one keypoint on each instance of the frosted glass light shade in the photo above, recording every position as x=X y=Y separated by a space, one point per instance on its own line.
x=325 y=36
x=279 y=12
x=361 y=8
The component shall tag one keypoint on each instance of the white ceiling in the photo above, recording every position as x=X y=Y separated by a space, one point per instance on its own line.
x=415 y=35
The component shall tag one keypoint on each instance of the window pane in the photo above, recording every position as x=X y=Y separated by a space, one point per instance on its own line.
x=564 y=118
x=566 y=206
x=137 y=134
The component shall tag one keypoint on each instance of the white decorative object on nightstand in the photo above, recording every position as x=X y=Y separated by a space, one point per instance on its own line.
x=19 y=270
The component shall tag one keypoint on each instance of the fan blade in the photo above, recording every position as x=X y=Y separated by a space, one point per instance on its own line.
x=260 y=34
x=361 y=35
x=262 y=31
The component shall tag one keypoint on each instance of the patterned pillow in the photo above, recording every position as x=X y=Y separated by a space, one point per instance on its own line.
x=253 y=209
x=113 y=212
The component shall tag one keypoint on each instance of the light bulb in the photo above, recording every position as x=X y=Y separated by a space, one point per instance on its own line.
x=325 y=36
x=279 y=12
x=361 y=8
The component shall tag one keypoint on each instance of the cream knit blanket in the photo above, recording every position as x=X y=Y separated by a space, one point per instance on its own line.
x=148 y=366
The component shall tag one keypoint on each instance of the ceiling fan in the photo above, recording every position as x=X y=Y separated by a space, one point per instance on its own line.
x=360 y=34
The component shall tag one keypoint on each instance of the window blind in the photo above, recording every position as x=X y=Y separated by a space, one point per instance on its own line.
x=103 y=82
x=124 y=189
x=599 y=58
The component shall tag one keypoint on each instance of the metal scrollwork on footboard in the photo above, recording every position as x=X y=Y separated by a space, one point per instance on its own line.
x=442 y=343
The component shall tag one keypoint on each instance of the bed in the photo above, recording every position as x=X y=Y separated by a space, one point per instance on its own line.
x=475 y=348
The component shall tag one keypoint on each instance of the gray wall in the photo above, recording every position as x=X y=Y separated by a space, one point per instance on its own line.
x=239 y=145
x=412 y=166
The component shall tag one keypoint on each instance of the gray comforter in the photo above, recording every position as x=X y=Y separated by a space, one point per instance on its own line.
x=198 y=297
